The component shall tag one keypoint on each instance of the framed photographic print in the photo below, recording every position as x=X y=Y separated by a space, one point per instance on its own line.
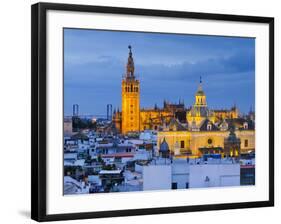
x=139 y=111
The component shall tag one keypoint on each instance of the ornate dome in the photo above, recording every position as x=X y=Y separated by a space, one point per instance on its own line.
x=200 y=92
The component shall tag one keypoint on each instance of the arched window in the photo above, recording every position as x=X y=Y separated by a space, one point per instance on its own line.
x=131 y=87
x=137 y=89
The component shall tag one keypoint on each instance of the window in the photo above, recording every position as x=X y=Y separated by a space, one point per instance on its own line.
x=210 y=141
x=209 y=127
x=246 y=143
x=186 y=185
x=174 y=185
x=137 y=89
x=182 y=144
x=131 y=87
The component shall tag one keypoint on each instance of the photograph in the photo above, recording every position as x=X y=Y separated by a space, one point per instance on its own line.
x=152 y=111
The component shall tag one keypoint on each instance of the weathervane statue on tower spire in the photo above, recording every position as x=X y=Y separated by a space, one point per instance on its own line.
x=130 y=64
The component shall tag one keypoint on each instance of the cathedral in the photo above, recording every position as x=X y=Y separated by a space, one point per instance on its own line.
x=189 y=131
x=133 y=118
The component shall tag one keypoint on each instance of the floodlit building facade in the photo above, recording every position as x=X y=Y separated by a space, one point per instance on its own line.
x=205 y=131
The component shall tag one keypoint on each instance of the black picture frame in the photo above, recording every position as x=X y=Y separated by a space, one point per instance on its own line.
x=38 y=108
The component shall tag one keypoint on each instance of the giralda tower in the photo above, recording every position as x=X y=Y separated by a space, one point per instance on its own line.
x=130 y=98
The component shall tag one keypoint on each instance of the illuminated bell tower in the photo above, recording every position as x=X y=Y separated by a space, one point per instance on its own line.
x=130 y=98
x=200 y=97
x=199 y=111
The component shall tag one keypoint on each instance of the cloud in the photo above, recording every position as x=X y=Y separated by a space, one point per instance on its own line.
x=168 y=66
x=237 y=63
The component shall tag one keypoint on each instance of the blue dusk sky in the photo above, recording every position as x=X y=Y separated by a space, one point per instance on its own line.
x=168 y=66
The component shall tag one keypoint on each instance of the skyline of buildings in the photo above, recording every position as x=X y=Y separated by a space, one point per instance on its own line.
x=142 y=145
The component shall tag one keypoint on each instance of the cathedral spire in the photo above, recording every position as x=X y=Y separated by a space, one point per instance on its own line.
x=200 y=97
x=130 y=64
x=200 y=89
